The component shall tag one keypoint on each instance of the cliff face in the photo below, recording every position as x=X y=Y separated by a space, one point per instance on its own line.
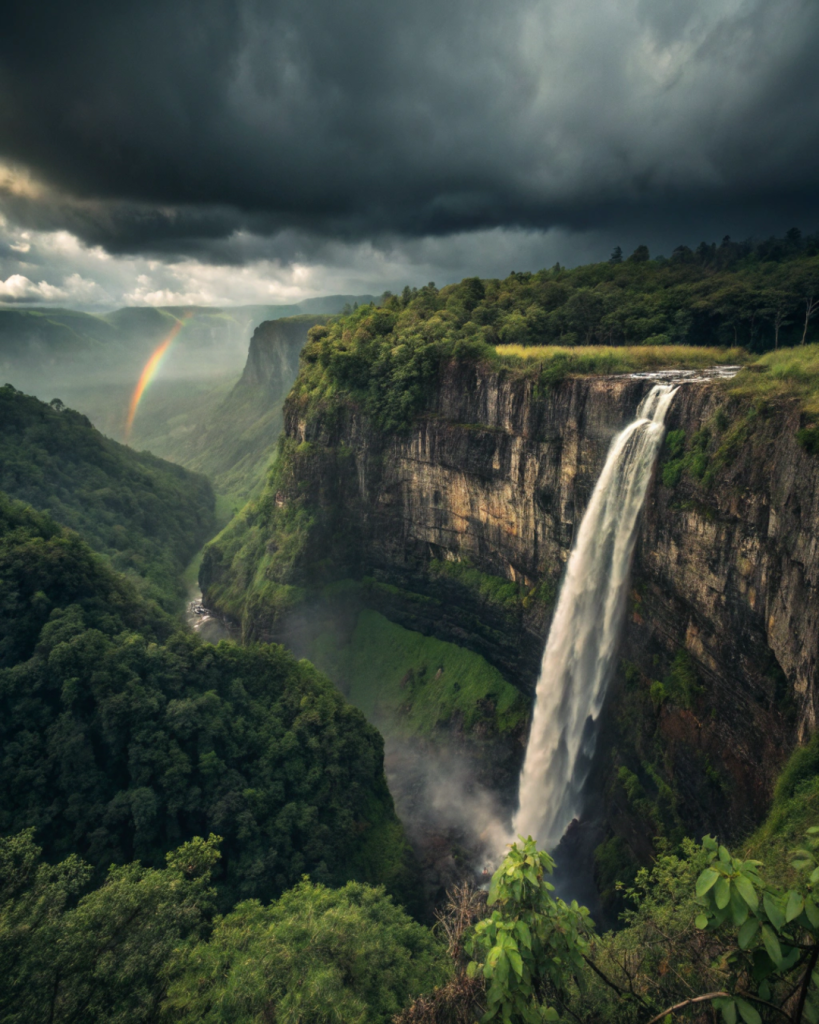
x=273 y=355
x=490 y=484
x=232 y=441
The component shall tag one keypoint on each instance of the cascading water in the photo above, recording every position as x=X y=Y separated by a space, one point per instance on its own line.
x=582 y=644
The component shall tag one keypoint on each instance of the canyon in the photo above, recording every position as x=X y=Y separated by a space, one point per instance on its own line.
x=717 y=673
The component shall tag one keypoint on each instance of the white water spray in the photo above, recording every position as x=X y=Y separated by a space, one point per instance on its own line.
x=582 y=644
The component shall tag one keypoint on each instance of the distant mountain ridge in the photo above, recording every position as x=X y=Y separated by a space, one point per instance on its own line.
x=231 y=436
x=40 y=347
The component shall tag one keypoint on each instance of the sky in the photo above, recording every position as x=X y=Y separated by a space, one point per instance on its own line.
x=222 y=152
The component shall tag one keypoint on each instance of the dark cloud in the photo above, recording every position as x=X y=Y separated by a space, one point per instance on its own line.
x=173 y=127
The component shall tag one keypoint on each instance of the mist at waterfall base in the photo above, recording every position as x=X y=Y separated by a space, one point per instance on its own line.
x=453 y=821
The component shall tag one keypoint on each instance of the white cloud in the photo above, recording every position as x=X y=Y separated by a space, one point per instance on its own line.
x=23 y=244
x=18 y=287
x=280 y=270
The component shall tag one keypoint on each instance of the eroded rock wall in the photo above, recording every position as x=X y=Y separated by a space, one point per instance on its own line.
x=497 y=475
x=273 y=354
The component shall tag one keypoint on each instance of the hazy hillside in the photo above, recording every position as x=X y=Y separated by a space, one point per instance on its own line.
x=227 y=428
x=148 y=516
x=93 y=361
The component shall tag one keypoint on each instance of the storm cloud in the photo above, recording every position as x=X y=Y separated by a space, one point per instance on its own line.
x=242 y=131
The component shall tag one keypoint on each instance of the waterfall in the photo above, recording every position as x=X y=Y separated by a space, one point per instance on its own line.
x=582 y=644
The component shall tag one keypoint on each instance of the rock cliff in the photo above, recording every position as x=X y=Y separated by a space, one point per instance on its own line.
x=231 y=441
x=468 y=519
x=273 y=355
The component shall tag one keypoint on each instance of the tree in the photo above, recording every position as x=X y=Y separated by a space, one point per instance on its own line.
x=471 y=291
x=640 y=255
x=793 y=238
x=118 y=747
x=776 y=932
x=616 y=255
x=682 y=254
x=584 y=311
x=100 y=957
x=316 y=954
x=531 y=944
x=776 y=308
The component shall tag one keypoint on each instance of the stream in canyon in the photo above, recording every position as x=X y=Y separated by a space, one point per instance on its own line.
x=206 y=623
x=578 y=660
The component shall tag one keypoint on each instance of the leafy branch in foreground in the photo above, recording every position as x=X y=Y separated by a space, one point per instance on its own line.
x=531 y=944
x=776 y=933
x=707 y=932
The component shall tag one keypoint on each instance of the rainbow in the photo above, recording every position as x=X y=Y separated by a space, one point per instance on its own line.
x=149 y=372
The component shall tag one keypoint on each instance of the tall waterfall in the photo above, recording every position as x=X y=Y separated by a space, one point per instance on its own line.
x=582 y=644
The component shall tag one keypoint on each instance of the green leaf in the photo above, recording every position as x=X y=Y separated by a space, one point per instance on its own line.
x=739 y=908
x=706 y=880
x=812 y=912
x=747 y=932
x=763 y=966
x=746 y=890
x=771 y=944
x=728 y=1008
x=522 y=929
x=813 y=830
x=722 y=892
x=472 y=969
x=724 y=855
x=551 y=1014
x=814 y=876
x=794 y=907
x=773 y=910
x=701 y=921
x=709 y=843
x=515 y=961
x=748 y=1013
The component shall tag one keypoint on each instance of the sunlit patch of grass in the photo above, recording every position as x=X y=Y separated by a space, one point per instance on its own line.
x=402 y=679
x=786 y=373
x=608 y=359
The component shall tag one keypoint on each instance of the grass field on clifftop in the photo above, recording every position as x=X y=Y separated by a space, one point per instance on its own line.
x=610 y=359
x=786 y=373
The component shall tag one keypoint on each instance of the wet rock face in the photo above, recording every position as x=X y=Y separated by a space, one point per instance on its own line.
x=729 y=573
x=497 y=474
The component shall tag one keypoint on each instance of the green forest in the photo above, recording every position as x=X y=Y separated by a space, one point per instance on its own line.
x=149 y=517
x=743 y=298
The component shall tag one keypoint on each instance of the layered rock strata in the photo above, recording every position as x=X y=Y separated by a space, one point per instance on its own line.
x=495 y=476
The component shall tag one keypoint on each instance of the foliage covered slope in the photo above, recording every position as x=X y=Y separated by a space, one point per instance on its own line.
x=707 y=931
x=144 y=946
x=148 y=516
x=230 y=433
x=732 y=295
x=118 y=742
x=405 y=681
